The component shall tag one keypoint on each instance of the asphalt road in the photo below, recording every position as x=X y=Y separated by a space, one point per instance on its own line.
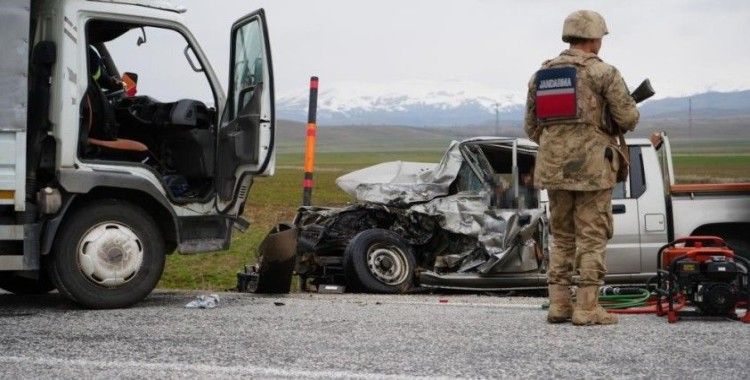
x=353 y=336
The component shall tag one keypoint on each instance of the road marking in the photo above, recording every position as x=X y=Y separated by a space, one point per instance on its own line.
x=207 y=369
x=436 y=302
x=471 y=304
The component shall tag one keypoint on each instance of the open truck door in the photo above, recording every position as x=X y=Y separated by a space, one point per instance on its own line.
x=246 y=132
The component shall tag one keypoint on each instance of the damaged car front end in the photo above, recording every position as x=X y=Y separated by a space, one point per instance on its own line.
x=467 y=223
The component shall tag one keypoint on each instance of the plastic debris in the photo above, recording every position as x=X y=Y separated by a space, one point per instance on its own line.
x=278 y=303
x=204 y=302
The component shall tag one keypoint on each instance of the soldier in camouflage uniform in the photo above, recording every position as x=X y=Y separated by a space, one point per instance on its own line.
x=577 y=162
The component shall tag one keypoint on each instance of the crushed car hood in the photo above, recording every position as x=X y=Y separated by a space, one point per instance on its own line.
x=401 y=182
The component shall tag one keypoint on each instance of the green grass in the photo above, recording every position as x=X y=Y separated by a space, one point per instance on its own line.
x=275 y=199
x=712 y=167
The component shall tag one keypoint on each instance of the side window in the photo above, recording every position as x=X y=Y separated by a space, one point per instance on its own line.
x=636 y=182
x=619 y=191
x=247 y=65
x=637 y=174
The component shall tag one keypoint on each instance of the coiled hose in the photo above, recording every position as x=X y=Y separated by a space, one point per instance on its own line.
x=623 y=298
x=631 y=300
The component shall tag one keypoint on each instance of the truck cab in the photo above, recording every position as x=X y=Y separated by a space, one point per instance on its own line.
x=109 y=161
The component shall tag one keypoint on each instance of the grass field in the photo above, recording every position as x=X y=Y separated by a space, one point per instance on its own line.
x=276 y=199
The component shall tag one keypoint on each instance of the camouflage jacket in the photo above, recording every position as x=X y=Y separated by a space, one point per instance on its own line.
x=573 y=154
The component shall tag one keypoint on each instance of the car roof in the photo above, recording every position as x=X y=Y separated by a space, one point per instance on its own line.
x=528 y=144
x=522 y=142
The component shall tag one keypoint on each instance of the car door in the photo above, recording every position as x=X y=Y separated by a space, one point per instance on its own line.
x=245 y=141
x=624 y=249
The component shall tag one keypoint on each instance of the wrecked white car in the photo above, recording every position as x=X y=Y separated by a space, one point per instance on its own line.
x=466 y=223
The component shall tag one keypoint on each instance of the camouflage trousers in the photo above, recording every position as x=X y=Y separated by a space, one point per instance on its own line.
x=581 y=225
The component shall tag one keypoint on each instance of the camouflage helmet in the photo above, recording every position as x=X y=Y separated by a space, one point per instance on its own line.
x=584 y=24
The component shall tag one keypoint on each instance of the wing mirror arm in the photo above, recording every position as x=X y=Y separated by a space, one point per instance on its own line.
x=142 y=38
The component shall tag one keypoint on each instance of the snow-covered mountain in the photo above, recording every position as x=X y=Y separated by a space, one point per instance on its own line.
x=412 y=103
x=422 y=104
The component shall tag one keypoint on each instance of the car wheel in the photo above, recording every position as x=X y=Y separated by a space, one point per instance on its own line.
x=108 y=254
x=379 y=261
x=26 y=286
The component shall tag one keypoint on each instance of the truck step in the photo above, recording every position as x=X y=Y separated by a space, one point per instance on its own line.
x=12 y=232
x=20 y=250
x=14 y=262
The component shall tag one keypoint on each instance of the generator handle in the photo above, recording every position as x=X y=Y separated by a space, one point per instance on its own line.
x=717 y=241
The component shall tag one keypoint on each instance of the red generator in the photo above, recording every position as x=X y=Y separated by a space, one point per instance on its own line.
x=703 y=272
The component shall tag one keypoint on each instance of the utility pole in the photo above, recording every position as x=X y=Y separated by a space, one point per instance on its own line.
x=497 y=119
x=312 y=128
x=690 y=118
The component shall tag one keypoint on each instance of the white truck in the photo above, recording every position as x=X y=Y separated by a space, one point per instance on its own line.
x=650 y=209
x=98 y=184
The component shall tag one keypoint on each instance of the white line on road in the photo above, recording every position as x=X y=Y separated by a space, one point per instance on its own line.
x=471 y=304
x=199 y=369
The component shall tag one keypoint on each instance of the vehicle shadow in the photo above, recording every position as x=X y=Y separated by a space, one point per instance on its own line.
x=19 y=305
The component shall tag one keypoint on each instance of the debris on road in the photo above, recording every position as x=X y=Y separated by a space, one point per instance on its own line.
x=204 y=302
x=331 y=289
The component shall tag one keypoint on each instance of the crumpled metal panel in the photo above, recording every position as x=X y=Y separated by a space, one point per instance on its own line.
x=14 y=65
x=403 y=183
x=468 y=214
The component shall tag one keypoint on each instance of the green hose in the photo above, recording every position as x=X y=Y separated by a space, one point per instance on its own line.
x=620 y=301
x=624 y=301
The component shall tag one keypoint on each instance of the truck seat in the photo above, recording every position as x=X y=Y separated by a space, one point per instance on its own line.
x=120 y=144
x=100 y=124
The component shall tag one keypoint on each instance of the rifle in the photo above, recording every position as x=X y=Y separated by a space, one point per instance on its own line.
x=643 y=91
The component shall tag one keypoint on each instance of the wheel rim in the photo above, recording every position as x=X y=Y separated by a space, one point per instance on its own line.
x=110 y=254
x=388 y=264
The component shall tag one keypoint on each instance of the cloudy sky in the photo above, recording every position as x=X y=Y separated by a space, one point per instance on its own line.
x=488 y=45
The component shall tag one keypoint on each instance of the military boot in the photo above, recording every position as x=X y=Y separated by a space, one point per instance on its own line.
x=560 y=305
x=587 y=310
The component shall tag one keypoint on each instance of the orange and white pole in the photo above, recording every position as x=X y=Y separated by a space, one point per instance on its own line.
x=312 y=128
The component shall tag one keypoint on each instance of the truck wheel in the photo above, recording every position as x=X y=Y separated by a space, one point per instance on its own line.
x=379 y=261
x=108 y=254
x=26 y=286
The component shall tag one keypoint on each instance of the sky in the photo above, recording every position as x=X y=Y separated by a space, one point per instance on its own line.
x=684 y=47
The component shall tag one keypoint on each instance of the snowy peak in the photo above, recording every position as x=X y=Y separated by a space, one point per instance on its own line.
x=412 y=103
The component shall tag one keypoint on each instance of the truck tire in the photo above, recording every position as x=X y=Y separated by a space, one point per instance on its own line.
x=379 y=261
x=107 y=254
x=26 y=286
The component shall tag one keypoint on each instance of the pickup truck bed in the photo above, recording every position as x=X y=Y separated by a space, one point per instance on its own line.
x=708 y=188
